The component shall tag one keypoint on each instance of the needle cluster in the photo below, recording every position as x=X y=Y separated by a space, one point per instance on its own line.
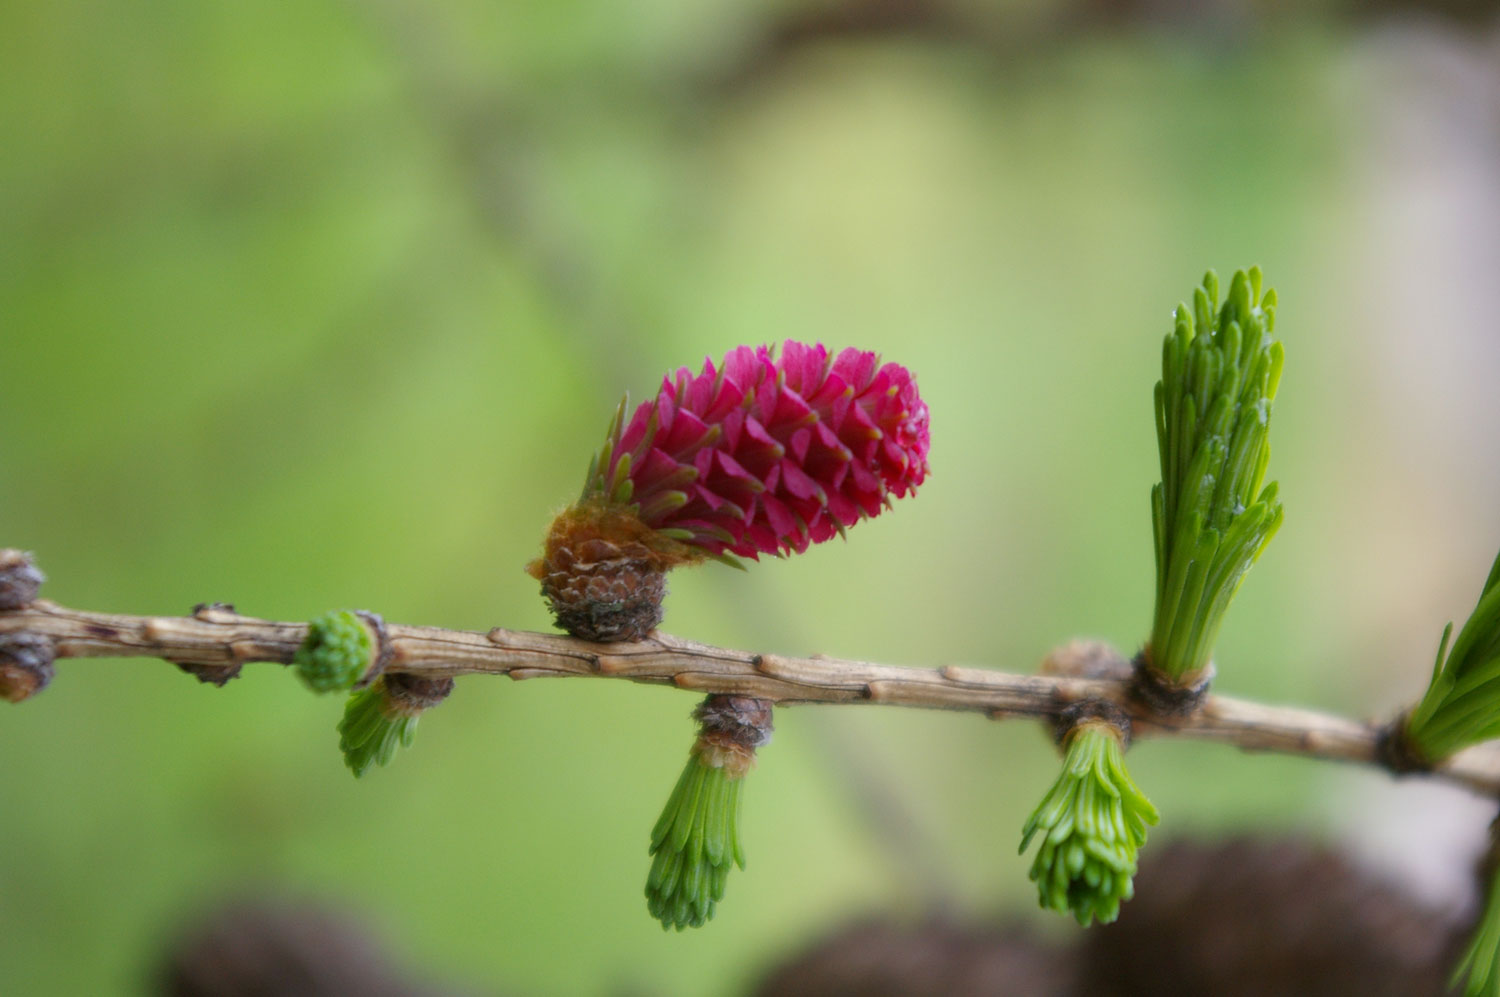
x=1090 y=825
x=1211 y=516
x=1462 y=703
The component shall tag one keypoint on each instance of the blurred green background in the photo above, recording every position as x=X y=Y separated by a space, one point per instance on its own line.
x=322 y=304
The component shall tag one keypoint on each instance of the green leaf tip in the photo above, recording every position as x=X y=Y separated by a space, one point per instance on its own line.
x=1212 y=514
x=1478 y=969
x=370 y=731
x=595 y=482
x=1091 y=825
x=695 y=843
x=1462 y=704
x=337 y=652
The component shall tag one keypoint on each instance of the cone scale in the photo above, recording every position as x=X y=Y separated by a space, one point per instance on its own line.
x=764 y=453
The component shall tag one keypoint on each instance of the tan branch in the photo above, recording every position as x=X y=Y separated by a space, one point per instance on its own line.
x=218 y=636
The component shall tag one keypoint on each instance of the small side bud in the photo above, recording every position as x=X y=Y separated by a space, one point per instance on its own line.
x=384 y=715
x=697 y=838
x=25 y=665
x=1087 y=659
x=343 y=649
x=20 y=579
x=215 y=675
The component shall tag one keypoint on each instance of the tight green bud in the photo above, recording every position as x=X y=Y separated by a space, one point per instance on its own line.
x=341 y=647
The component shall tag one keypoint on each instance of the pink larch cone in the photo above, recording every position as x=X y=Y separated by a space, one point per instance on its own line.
x=763 y=454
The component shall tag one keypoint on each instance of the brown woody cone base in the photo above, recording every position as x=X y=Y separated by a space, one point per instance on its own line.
x=604 y=572
x=604 y=592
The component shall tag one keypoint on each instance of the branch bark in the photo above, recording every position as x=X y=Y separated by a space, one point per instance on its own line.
x=216 y=635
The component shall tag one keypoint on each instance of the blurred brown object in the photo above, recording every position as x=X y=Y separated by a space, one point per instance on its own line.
x=1232 y=919
x=934 y=958
x=1001 y=31
x=262 y=948
x=1268 y=916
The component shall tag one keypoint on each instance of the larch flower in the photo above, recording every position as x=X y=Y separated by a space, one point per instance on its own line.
x=765 y=453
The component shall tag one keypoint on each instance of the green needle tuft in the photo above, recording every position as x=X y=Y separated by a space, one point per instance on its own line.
x=337 y=652
x=1462 y=704
x=1211 y=516
x=383 y=717
x=1479 y=968
x=695 y=843
x=1091 y=825
x=371 y=730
